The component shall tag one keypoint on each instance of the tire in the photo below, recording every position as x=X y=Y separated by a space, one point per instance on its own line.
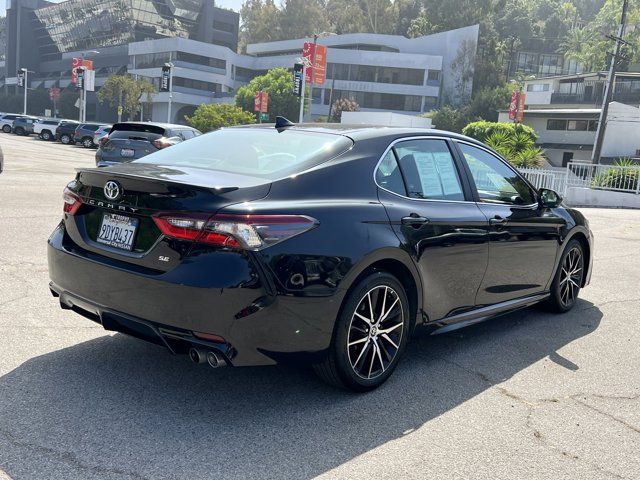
x=566 y=285
x=66 y=139
x=45 y=135
x=87 y=142
x=19 y=131
x=6 y=128
x=363 y=369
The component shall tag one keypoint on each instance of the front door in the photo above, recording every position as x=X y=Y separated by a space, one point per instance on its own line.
x=435 y=218
x=523 y=237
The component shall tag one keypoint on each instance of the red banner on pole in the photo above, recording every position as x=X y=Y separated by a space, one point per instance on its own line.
x=317 y=55
x=79 y=62
x=513 y=106
x=264 y=102
x=521 y=99
x=257 y=102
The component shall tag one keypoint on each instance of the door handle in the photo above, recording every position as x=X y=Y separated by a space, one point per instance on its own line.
x=414 y=219
x=497 y=220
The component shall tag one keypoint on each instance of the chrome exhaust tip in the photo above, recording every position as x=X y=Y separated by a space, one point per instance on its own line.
x=215 y=360
x=197 y=355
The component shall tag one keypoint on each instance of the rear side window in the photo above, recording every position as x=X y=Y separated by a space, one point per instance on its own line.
x=136 y=131
x=259 y=152
x=388 y=175
x=429 y=170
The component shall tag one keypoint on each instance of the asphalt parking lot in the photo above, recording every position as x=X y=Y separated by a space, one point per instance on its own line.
x=530 y=395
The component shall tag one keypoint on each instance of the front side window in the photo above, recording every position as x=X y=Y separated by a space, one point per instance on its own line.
x=429 y=170
x=495 y=181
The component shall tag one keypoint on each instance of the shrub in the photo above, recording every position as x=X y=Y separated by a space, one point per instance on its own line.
x=482 y=130
x=217 y=115
x=517 y=148
x=613 y=177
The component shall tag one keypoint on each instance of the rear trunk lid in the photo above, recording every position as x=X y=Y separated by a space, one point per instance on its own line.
x=119 y=202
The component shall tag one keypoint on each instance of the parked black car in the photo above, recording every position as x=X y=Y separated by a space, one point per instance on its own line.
x=24 y=125
x=130 y=140
x=327 y=244
x=84 y=133
x=65 y=132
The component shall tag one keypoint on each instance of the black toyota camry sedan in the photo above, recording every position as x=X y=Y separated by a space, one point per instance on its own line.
x=325 y=244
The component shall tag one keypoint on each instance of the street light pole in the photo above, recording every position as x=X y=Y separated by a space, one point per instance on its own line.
x=170 y=65
x=26 y=87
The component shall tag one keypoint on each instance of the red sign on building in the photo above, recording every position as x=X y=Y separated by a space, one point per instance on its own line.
x=79 y=62
x=317 y=55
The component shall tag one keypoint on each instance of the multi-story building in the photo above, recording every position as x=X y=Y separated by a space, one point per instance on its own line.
x=44 y=36
x=380 y=72
x=564 y=111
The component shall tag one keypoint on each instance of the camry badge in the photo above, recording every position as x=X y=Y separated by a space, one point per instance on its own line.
x=112 y=190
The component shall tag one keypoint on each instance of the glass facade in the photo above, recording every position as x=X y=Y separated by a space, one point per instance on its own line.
x=384 y=101
x=544 y=64
x=90 y=24
x=372 y=73
x=197 y=84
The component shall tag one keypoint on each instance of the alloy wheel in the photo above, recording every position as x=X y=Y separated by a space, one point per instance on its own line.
x=65 y=139
x=375 y=332
x=46 y=136
x=87 y=143
x=571 y=277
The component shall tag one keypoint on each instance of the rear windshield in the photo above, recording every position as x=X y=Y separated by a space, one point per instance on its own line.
x=258 y=152
x=137 y=128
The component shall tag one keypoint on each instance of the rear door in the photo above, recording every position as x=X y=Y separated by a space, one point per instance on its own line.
x=523 y=237
x=430 y=207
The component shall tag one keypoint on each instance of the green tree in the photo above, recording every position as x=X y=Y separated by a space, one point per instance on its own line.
x=279 y=83
x=260 y=22
x=217 y=115
x=487 y=102
x=482 y=130
x=126 y=92
x=67 y=103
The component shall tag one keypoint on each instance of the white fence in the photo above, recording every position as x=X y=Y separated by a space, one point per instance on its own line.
x=586 y=175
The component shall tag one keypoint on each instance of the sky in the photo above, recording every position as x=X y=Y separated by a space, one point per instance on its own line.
x=232 y=4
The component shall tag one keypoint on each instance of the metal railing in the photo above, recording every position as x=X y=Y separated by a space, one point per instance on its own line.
x=617 y=178
x=604 y=177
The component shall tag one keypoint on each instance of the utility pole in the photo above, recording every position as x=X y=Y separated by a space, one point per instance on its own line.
x=609 y=85
x=303 y=87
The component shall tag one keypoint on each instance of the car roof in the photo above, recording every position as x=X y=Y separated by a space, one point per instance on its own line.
x=158 y=124
x=364 y=132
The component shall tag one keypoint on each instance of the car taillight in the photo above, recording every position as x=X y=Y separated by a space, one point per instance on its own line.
x=72 y=202
x=163 y=142
x=249 y=232
x=103 y=140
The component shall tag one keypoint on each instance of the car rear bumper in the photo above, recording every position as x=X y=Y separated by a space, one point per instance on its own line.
x=259 y=325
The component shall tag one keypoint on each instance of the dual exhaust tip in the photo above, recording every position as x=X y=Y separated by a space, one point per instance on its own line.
x=199 y=355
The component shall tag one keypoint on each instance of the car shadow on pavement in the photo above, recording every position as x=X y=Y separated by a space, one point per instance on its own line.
x=116 y=407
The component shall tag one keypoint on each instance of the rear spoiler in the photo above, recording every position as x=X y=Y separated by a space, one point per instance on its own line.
x=212 y=188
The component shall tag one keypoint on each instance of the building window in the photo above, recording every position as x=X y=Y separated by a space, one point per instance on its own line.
x=201 y=60
x=430 y=103
x=225 y=27
x=375 y=74
x=433 y=75
x=381 y=101
x=553 y=124
x=593 y=125
x=578 y=125
x=196 y=84
x=538 y=87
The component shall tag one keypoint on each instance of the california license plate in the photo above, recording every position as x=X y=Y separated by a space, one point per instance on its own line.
x=127 y=152
x=117 y=231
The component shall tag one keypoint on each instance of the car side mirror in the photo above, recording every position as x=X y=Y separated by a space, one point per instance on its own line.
x=549 y=198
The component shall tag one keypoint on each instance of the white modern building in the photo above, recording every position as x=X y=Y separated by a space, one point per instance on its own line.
x=381 y=72
x=564 y=111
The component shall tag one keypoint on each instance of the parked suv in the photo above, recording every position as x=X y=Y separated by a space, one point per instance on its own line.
x=6 y=122
x=45 y=128
x=65 y=131
x=100 y=133
x=24 y=125
x=84 y=134
x=131 y=140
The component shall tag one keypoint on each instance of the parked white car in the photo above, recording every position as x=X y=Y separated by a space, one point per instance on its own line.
x=102 y=131
x=6 y=121
x=46 y=128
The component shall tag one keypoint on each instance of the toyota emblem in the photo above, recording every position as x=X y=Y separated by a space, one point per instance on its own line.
x=112 y=190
